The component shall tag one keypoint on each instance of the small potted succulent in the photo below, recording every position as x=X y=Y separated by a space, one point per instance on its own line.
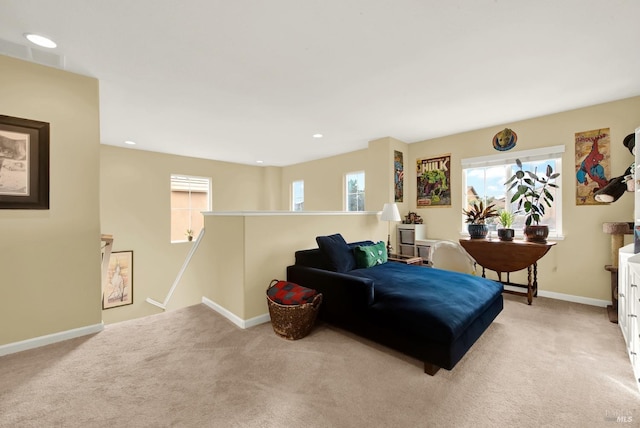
x=506 y=219
x=477 y=215
x=533 y=197
x=189 y=234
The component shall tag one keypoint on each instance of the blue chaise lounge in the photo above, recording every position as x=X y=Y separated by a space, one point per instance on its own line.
x=430 y=314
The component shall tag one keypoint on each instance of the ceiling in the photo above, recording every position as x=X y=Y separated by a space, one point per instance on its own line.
x=249 y=80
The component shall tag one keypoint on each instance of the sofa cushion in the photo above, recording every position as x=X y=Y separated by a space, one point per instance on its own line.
x=316 y=258
x=370 y=255
x=337 y=252
x=427 y=303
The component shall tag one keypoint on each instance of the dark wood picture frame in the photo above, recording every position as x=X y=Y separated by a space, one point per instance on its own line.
x=24 y=164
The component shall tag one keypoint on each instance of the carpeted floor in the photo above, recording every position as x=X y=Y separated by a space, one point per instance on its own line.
x=551 y=364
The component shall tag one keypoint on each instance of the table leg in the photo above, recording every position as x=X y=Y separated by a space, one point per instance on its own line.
x=535 y=279
x=529 y=286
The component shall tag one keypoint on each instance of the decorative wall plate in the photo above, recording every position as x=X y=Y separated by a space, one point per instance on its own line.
x=505 y=140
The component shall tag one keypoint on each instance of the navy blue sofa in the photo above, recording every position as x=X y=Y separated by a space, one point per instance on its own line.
x=429 y=314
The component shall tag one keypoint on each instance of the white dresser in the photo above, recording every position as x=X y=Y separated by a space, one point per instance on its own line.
x=629 y=304
x=629 y=281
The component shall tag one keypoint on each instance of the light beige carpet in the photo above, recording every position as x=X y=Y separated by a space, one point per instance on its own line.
x=550 y=364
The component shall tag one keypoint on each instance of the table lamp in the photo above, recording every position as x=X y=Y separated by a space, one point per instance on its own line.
x=390 y=213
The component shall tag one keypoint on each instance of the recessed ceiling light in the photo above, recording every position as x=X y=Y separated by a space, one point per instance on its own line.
x=131 y=143
x=317 y=135
x=259 y=161
x=39 y=40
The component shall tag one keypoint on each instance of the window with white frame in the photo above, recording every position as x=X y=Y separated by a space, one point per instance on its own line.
x=297 y=195
x=354 y=191
x=189 y=197
x=484 y=180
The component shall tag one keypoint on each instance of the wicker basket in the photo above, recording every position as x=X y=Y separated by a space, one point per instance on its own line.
x=293 y=322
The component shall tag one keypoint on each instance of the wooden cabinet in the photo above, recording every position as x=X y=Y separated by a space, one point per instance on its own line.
x=629 y=304
x=411 y=240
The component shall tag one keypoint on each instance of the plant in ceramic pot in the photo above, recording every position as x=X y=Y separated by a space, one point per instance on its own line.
x=189 y=235
x=533 y=197
x=506 y=218
x=477 y=215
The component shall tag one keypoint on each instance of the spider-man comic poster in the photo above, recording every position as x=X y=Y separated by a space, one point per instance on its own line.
x=592 y=164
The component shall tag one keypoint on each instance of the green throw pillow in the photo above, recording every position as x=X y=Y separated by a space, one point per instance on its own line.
x=370 y=255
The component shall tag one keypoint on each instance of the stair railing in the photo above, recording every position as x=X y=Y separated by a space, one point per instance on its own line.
x=192 y=251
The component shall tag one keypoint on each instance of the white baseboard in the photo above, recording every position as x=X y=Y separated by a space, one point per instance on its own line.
x=36 y=342
x=575 y=299
x=566 y=297
x=260 y=319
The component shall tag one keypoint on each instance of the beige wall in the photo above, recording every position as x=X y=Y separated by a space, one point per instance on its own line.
x=50 y=259
x=324 y=181
x=575 y=266
x=324 y=185
x=324 y=178
x=243 y=252
x=135 y=209
x=380 y=171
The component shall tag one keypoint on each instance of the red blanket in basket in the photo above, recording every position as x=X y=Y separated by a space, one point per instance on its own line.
x=289 y=293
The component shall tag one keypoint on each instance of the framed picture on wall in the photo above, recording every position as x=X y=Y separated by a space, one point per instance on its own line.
x=118 y=289
x=593 y=154
x=433 y=181
x=398 y=176
x=24 y=164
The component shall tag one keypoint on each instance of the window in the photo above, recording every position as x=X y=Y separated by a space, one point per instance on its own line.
x=484 y=179
x=189 y=196
x=355 y=191
x=297 y=196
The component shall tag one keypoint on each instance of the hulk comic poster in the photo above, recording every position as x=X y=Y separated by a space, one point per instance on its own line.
x=434 y=185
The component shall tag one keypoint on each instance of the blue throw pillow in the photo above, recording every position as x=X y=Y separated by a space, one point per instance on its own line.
x=337 y=252
x=370 y=255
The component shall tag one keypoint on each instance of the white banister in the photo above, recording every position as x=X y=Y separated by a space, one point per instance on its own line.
x=106 y=254
x=194 y=247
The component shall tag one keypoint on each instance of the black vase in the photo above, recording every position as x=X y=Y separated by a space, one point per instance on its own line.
x=506 y=234
x=478 y=231
x=536 y=233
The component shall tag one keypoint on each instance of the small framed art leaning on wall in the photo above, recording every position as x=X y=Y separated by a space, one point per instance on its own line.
x=118 y=289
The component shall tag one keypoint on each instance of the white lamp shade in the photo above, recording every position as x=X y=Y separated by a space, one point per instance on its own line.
x=390 y=213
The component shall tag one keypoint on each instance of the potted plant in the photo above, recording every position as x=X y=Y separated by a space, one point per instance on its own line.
x=189 y=234
x=506 y=218
x=533 y=197
x=477 y=215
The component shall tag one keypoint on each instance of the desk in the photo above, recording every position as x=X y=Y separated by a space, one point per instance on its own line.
x=509 y=256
